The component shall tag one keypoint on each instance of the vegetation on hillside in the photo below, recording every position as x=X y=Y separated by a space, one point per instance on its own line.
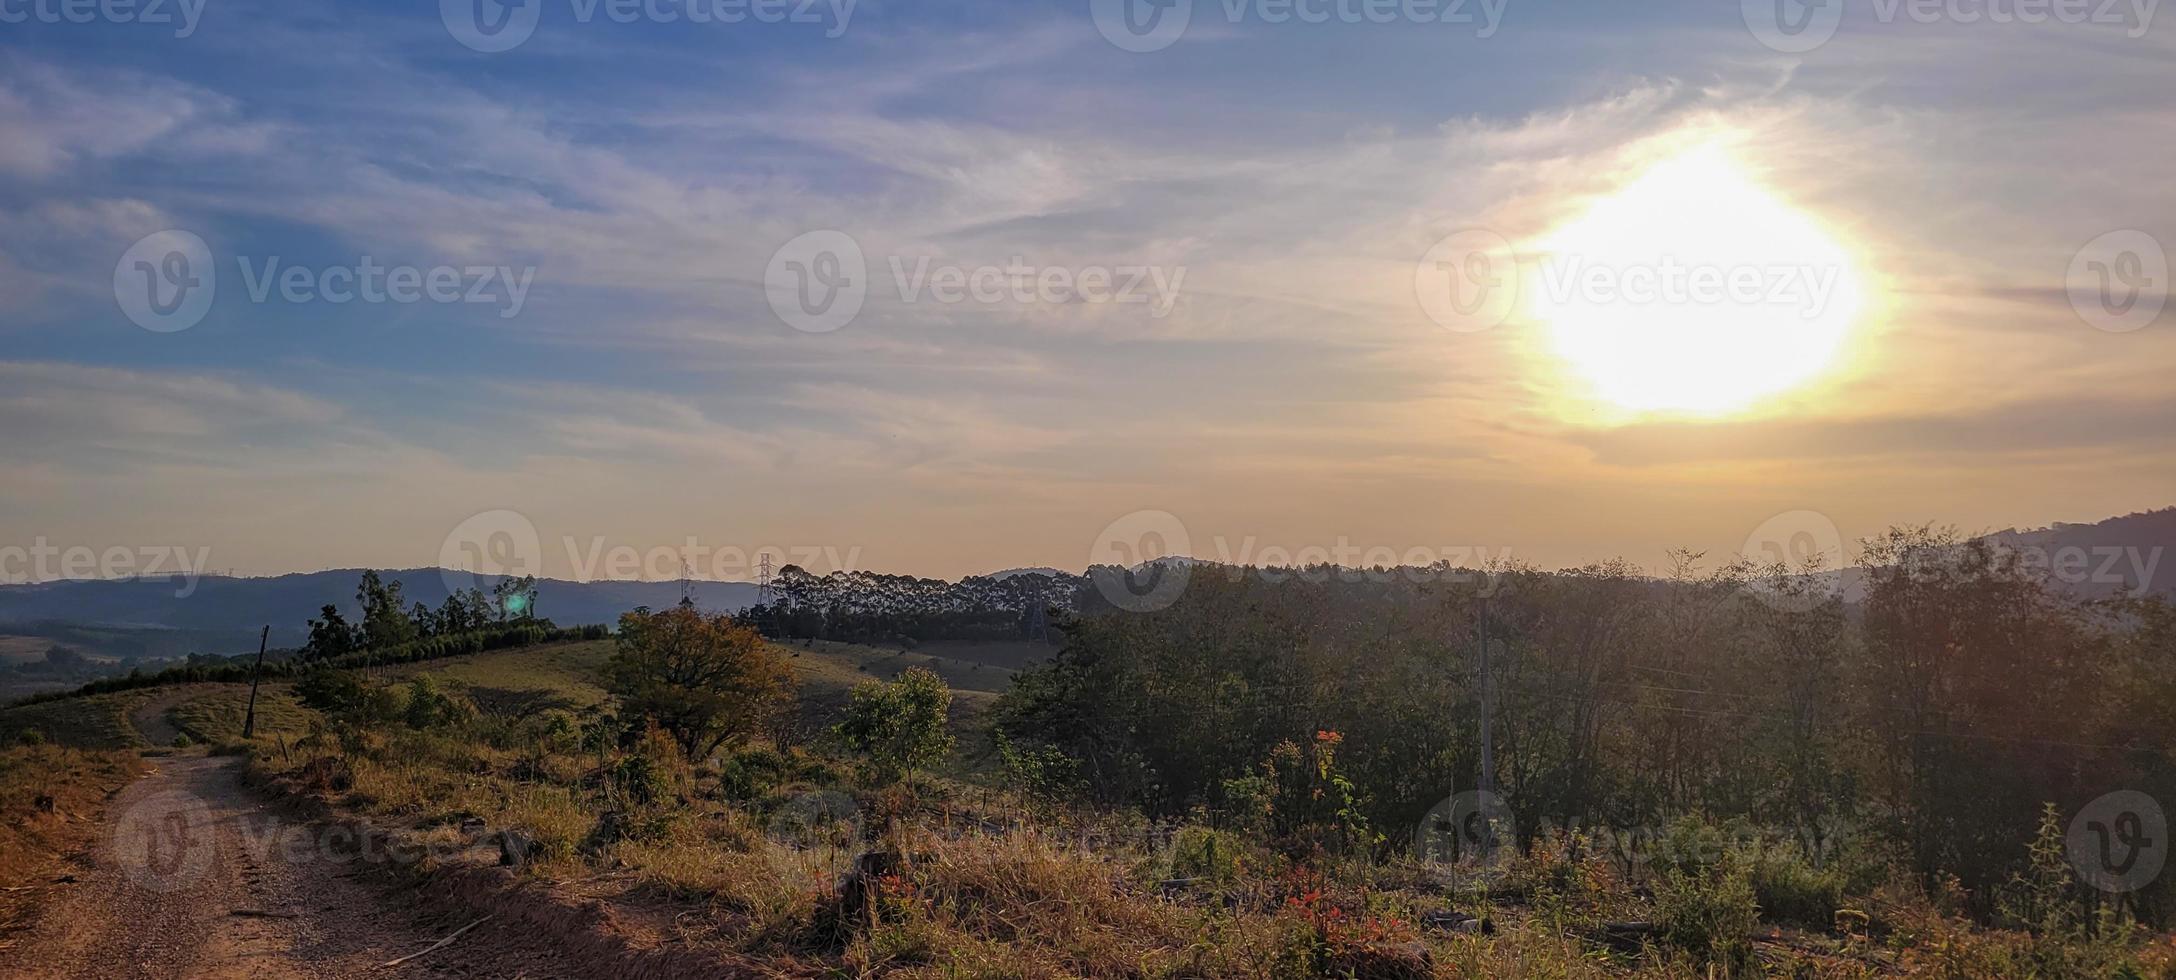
x=1703 y=774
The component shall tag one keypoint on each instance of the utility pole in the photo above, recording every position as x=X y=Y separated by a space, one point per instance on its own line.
x=1486 y=805
x=249 y=721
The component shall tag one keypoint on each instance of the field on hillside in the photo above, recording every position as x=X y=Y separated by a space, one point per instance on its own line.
x=100 y=721
x=217 y=715
x=507 y=682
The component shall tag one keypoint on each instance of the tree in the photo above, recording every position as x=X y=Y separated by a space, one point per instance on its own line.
x=704 y=679
x=330 y=635
x=901 y=725
x=515 y=598
x=385 y=615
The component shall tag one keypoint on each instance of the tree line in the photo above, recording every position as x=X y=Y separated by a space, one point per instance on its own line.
x=1932 y=718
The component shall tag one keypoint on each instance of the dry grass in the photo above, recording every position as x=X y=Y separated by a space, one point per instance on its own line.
x=99 y=721
x=217 y=715
x=750 y=858
x=50 y=801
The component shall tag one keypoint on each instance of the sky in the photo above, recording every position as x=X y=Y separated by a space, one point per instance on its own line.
x=627 y=216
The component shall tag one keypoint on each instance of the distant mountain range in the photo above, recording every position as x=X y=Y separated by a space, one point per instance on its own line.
x=223 y=614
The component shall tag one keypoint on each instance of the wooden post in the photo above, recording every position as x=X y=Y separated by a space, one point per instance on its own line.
x=249 y=721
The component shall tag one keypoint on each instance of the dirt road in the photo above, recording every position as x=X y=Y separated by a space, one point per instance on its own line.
x=194 y=877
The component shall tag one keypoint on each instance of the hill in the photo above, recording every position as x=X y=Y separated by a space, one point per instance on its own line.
x=169 y=617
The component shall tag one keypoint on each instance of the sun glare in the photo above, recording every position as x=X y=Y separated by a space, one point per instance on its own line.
x=1694 y=290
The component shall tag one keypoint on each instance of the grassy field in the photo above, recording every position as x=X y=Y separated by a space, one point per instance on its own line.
x=516 y=682
x=217 y=715
x=566 y=674
x=100 y=721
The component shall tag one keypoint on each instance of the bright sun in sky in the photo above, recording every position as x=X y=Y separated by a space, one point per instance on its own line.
x=1694 y=290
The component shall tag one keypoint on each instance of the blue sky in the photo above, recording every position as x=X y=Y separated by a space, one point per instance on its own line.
x=646 y=392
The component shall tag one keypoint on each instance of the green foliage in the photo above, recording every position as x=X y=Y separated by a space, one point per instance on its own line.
x=330 y=691
x=901 y=725
x=1044 y=773
x=1300 y=800
x=654 y=773
x=429 y=704
x=1207 y=854
x=705 y=680
x=1710 y=913
x=30 y=737
x=1790 y=889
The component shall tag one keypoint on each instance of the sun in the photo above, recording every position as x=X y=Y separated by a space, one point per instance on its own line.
x=1694 y=290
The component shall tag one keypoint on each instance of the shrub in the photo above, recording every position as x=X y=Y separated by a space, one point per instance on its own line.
x=1206 y=854
x=30 y=736
x=652 y=775
x=1710 y=913
x=1789 y=889
x=430 y=705
x=900 y=725
x=751 y=772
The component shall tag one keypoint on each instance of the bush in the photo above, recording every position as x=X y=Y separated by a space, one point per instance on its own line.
x=751 y=773
x=430 y=705
x=30 y=736
x=901 y=725
x=1791 y=890
x=1710 y=914
x=652 y=775
x=1206 y=854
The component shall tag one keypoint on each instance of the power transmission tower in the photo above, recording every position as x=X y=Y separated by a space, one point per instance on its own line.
x=763 y=579
x=687 y=583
